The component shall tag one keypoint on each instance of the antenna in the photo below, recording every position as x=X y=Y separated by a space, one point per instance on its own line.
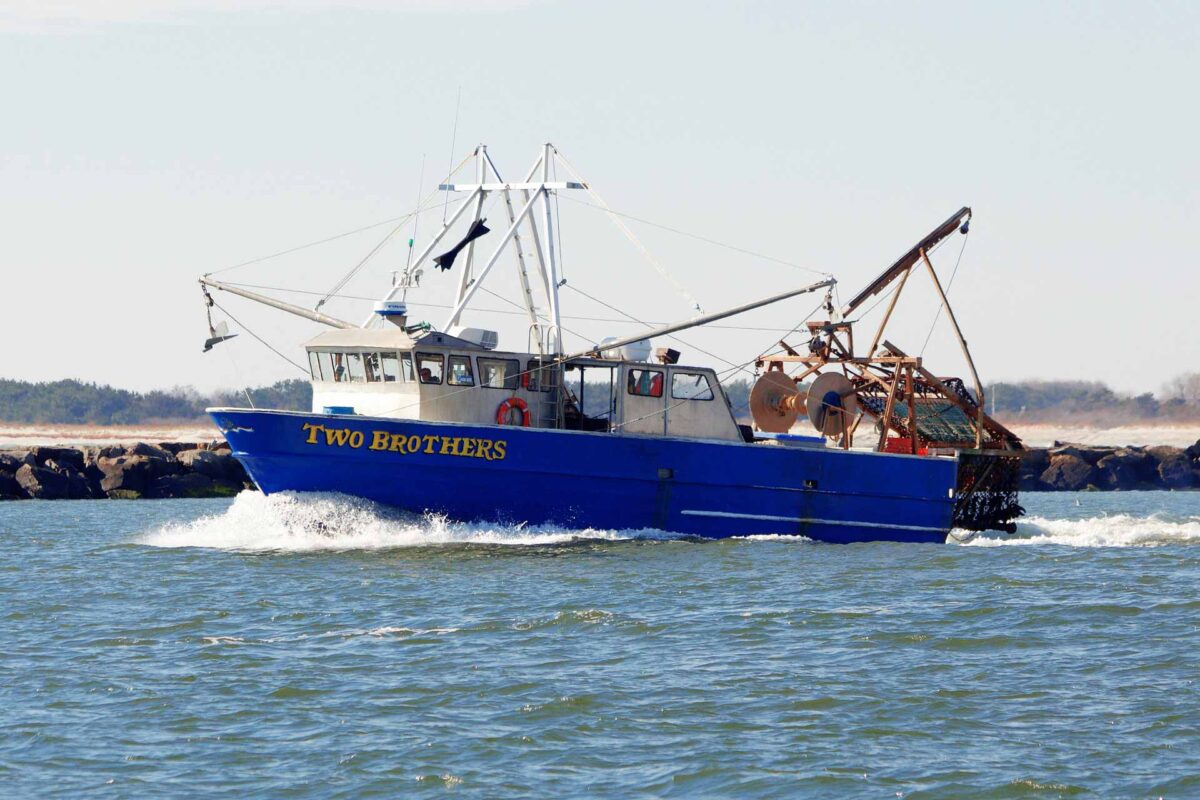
x=453 y=145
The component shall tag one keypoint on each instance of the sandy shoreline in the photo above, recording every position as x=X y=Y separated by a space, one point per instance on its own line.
x=15 y=435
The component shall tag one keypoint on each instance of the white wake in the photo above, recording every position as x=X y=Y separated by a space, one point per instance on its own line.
x=1116 y=530
x=313 y=522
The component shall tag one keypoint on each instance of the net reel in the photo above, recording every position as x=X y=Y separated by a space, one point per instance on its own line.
x=776 y=402
x=833 y=404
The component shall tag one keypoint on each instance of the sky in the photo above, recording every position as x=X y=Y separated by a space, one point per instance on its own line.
x=146 y=142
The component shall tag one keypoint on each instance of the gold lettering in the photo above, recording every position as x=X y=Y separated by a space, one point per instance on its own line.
x=338 y=436
x=356 y=439
x=450 y=445
x=379 y=440
x=312 y=432
x=468 y=448
x=485 y=449
x=501 y=448
x=429 y=443
x=399 y=442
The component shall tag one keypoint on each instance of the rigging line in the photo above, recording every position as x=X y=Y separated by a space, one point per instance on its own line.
x=629 y=234
x=379 y=224
x=261 y=341
x=417 y=221
x=522 y=313
x=893 y=288
x=374 y=250
x=803 y=320
x=937 y=316
x=705 y=239
x=585 y=339
x=642 y=322
x=238 y=375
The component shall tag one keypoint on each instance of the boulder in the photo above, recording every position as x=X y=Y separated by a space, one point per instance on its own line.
x=1088 y=453
x=62 y=455
x=1176 y=472
x=206 y=462
x=125 y=476
x=1116 y=473
x=1068 y=473
x=13 y=459
x=1193 y=452
x=78 y=486
x=1029 y=482
x=9 y=488
x=175 y=448
x=191 y=484
x=1162 y=451
x=93 y=454
x=1035 y=460
x=148 y=450
x=41 y=483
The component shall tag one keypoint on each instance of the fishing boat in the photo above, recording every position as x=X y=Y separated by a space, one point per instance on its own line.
x=621 y=434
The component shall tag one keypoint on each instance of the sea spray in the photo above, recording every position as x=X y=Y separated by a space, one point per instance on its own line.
x=292 y=522
x=1115 y=530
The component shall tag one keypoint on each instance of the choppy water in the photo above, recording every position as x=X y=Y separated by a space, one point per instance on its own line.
x=291 y=647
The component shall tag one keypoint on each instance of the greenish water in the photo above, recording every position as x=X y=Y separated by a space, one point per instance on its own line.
x=284 y=647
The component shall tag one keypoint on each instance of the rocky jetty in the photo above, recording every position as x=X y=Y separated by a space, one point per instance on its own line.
x=168 y=469
x=1076 y=467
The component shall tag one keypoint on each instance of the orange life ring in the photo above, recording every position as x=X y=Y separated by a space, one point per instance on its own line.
x=508 y=405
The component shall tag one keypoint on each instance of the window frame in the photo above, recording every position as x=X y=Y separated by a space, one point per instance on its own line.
x=384 y=358
x=340 y=372
x=629 y=382
x=408 y=373
x=451 y=360
x=352 y=359
x=707 y=384
x=511 y=381
x=441 y=360
x=314 y=365
x=536 y=368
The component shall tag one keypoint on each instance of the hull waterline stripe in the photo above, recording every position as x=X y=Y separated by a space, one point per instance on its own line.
x=806 y=520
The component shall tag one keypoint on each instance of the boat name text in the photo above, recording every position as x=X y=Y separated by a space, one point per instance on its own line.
x=465 y=446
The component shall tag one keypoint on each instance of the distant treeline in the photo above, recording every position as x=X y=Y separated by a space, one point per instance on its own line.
x=82 y=403
x=1092 y=401
x=71 y=401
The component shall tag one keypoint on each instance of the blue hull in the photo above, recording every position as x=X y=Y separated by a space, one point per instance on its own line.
x=598 y=480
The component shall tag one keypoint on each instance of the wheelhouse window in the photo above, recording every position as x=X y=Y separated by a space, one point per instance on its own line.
x=460 y=371
x=339 y=368
x=326 y=361
x=542 y=375
x=406 y=368
x=354 y=362
x=371 y=363
x=499 y=373
x=646 y=382
x=314 y=365
x=429 y=367
x=390 y=366
x=690 y=386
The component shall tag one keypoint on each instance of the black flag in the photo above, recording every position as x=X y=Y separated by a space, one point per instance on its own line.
x=446 y=259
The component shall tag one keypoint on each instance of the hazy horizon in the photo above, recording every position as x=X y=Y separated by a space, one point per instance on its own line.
x=148 y=143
